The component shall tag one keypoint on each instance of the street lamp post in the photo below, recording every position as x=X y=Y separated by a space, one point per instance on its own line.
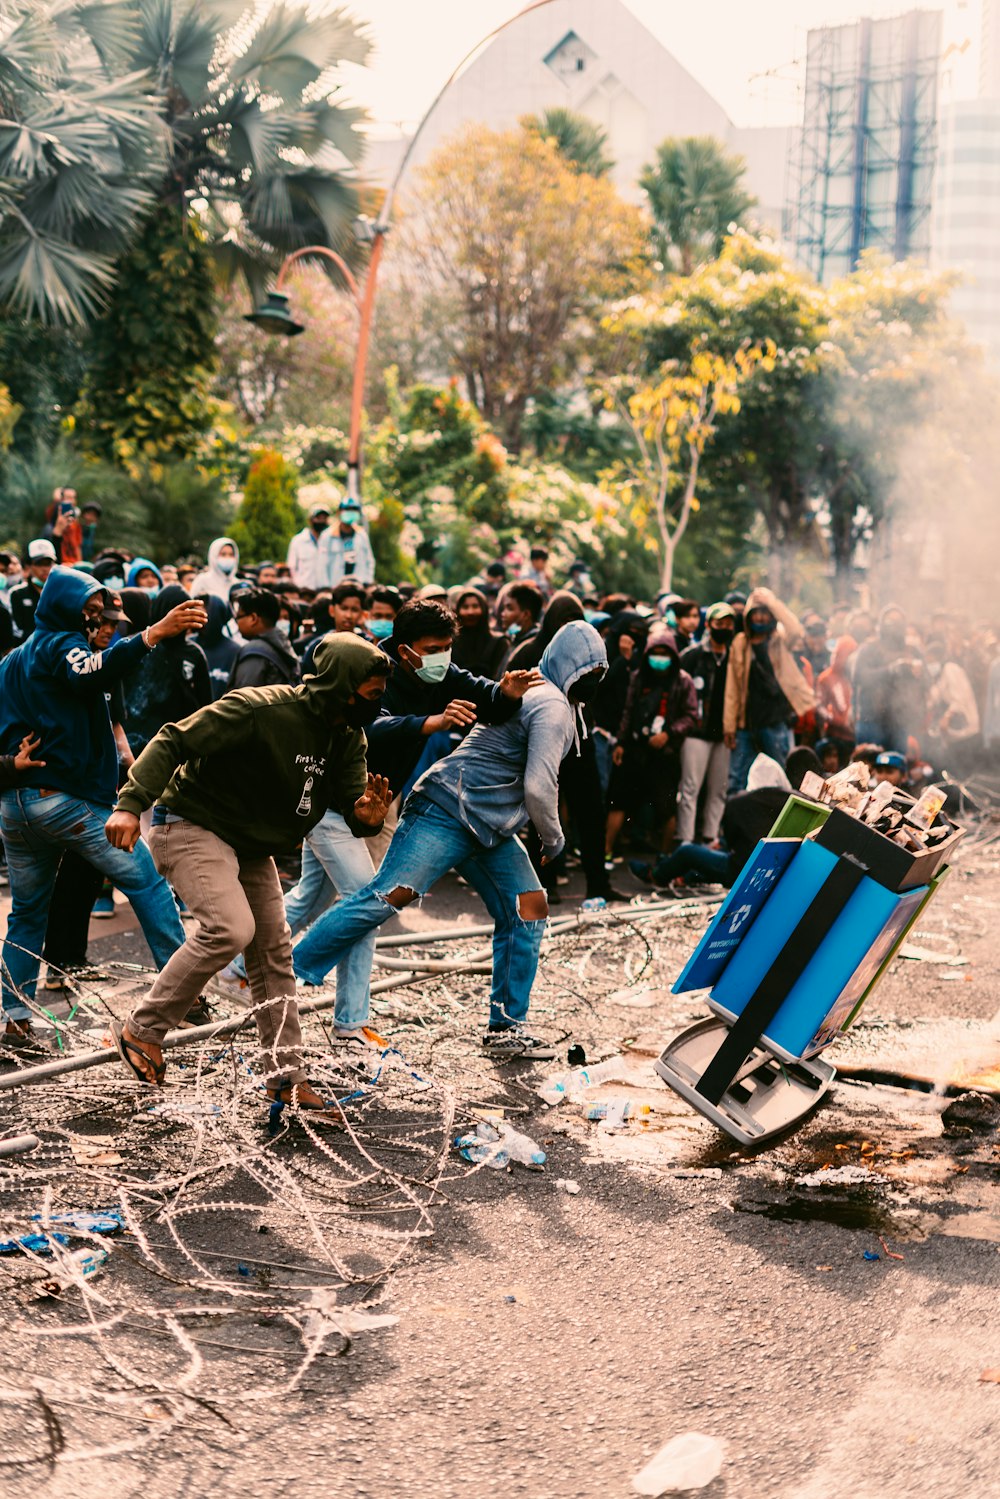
x=274 y=314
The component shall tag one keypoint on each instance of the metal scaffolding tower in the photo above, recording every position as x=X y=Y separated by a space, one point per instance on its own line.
x=863 y=172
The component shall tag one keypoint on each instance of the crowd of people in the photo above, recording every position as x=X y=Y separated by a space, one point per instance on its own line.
x=170 y=729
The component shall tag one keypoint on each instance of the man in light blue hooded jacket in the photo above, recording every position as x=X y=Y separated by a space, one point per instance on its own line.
x=464 y=814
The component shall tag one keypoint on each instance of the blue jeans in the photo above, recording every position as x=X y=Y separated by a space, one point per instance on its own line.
x=775 y=741
x=36 y=831
x=334 y=863
x=711 y=864
x=427 y=843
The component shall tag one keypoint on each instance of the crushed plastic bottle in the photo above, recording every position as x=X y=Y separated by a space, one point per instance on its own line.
x=101 y=1221
x=567 y=1084
x=85 y=1262
x=689 y=1461
x=497 y=1145
x=33 y=1243
x=615 y=1111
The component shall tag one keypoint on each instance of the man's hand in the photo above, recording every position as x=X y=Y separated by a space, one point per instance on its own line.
x=27 y=747
x=188 y=616
x=122 y=829
x=658 y=741
x=458 y=715
x=373 y=804
x=729 y=740
x=618 y=754
x=515 y=684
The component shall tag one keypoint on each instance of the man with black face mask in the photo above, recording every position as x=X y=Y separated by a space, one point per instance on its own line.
x=237 y=782
x=889 y=686
x=704 y=753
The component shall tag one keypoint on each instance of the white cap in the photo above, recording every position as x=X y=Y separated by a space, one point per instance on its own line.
x=41 y=550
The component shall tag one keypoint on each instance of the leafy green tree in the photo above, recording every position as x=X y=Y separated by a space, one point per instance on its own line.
x=257 y=142
x=577 y=139
x=44 y=367
x=268 y=516
x=695 y=194
x=80 y=137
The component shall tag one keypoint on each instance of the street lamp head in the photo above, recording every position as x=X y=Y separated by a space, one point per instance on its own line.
x=273 y=316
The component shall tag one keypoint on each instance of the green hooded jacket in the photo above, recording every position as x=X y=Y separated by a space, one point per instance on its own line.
x=260 y=767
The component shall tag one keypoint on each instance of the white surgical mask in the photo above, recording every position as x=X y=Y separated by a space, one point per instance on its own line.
x=284 y=627
x=434 y=668
x=226 y=564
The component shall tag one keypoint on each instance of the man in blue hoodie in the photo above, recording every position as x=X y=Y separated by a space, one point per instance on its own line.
x=54 y=686
x=464 y=814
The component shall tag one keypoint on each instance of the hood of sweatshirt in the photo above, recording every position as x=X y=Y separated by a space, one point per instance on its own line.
x=139 y=607
x=755 y=601
x=213 y=557
x=572 y=652
x=61 y=601
x=660 y=636
x=342 y=663
x=219 y=615
x=135 y=568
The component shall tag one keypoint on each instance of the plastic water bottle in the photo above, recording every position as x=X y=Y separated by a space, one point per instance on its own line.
x=617 y=1110
x=482 y=1145
x=521 y=1148
x=609 y=1071
x=594 y=903
x=567 y=1084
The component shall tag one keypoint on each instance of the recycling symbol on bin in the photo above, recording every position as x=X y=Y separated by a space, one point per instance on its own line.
x=739 y=918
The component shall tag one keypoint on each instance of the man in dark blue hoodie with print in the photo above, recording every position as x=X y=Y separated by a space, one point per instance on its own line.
x=54 y=686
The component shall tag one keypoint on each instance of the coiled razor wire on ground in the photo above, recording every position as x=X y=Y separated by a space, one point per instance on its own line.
x=256 y=1242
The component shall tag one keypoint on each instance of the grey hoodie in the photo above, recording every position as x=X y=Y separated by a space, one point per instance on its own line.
x=499 y=778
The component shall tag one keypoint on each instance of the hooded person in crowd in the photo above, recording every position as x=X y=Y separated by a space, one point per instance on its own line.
x=478 y=648
x=267 y=658
x=765 y=687
x=170 y=684
x=218 y=645
x=704 y=753
x=661 y=709
x=220 y=574
x=624 y=639
x=834 y=699
x=952 y=710
x=236 y=783
x=464 y=814
x=137 y=605
x=55 y=687
x=145 y=575
x=889 y=685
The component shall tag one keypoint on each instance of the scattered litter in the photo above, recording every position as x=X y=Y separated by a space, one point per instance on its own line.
x=33 y=1243
x=567 y=1084
x=102 y=1221
x=707 y=1173
x=493 y=1113
x=890 y=1254
x=243 y=1270
x=687 y=1462
x=499 y=1146
x=615 y=1112
x=173 y=1108
x=576 y=1056
x=870 y=1254
x=566 y=1184
x=824 y=1267
x=326 y=1317
x=510 y=1298
x=95 y=1150
x=928 y=955
x=82 y=1262
x=841 y=1176
x=990 y=1376
x=18 y=1144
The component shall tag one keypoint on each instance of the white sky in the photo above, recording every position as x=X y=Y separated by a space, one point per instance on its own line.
x=418 y=42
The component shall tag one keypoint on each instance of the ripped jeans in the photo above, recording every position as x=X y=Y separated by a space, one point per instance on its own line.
x=427 y=843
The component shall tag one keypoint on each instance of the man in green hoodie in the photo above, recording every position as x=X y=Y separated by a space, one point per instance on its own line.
x=239 y=781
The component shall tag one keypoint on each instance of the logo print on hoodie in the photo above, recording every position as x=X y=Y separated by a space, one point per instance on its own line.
x=305 y=800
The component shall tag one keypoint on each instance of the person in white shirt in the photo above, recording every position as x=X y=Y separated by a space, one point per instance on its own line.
x=304 y=548
x=344 y=549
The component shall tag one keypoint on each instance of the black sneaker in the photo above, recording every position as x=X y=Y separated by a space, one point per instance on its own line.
x=515 y=1043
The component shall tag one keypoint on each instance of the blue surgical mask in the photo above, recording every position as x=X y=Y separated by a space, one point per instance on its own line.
x=380 y=629
x=226 y=564
x=434 y=668
x=513 y=631
x=660 y=663
x=589 y=616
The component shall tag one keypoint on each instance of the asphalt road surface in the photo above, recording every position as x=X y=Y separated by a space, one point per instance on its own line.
x=547 y=1341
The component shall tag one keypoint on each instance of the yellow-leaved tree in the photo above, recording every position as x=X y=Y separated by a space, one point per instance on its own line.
x=671 y=418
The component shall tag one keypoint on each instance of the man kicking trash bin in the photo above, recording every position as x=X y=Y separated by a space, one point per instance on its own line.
x=239 y=781
x=463 y=814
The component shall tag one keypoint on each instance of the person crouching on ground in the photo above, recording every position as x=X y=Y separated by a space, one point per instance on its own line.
x=231 y=786
x=463 y=814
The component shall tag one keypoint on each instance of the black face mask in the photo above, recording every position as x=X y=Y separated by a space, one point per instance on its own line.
x=721 y=637
x=584 y=690
x=362 y=712
x=768 y=628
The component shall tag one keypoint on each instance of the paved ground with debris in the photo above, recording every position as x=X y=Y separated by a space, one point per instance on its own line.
x=548 y=1341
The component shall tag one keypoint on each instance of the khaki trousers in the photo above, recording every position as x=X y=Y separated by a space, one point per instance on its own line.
x=239 y=907
x=378 y=846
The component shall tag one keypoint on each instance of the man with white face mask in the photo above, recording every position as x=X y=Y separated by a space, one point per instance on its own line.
x=220 y=574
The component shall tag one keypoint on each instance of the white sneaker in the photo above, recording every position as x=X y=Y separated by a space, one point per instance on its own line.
x=359 y=1040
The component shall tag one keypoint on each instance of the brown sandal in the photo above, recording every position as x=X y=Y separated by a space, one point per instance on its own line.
x=127 y=1049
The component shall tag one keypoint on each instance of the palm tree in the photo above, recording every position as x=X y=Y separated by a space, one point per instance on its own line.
x=79 y=135
x=695 y=193
x=577 y=139
x=260 y=162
